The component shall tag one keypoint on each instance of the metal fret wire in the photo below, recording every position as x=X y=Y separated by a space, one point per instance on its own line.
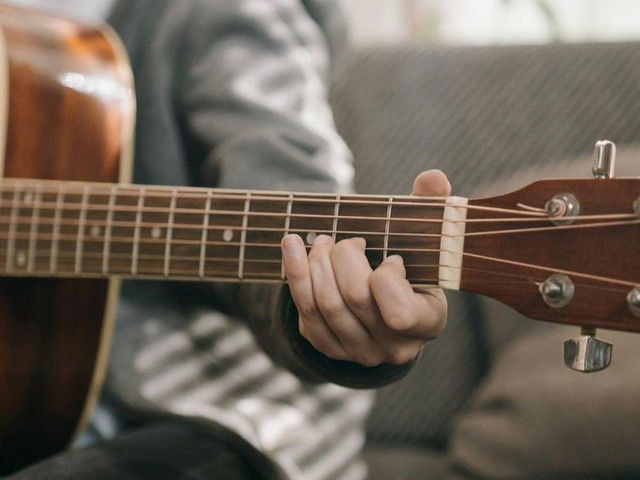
x=81 y=225
x=34 y=229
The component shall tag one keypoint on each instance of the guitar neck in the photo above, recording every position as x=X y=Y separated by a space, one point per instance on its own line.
x=50 y=228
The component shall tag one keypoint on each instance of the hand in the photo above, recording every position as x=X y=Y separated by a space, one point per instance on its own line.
x=349 y=311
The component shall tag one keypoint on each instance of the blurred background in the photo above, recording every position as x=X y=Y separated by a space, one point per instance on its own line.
x=496 y=93
x=481 y=22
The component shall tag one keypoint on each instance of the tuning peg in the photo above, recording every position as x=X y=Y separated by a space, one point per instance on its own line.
x=604 y=159
x=586 y=353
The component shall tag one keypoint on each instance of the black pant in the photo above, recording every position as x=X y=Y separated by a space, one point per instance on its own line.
x=169 y=451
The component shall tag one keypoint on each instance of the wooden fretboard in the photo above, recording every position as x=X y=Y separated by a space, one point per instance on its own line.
x=50 y=228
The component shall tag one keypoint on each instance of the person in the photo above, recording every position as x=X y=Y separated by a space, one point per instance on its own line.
x=233 y=93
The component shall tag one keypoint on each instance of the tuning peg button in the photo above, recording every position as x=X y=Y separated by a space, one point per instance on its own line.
x=586 y=353
x=633 y=300
x=557 y=291
x=604 y=159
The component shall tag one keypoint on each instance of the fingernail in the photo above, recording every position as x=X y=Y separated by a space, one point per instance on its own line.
x=393 y=258
x=322 y=239
x=292 y=246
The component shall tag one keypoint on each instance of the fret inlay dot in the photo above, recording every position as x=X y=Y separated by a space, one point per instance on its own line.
x=227 y=235
x=21 y=258
x=95 y=231
x=311 y=236
x=156 y=232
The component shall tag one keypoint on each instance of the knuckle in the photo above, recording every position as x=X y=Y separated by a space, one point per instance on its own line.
x=358 y=298
x=368 y=359
x=308 y=311
x=326 y=347
x=399 y=355
x=294 y=275
x=331 y=309
x=400 y=320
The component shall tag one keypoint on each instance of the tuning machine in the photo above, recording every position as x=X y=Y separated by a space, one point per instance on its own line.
x=586 y=352
x=604 y=159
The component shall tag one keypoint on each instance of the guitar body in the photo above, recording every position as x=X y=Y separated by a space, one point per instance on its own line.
x=66 y=112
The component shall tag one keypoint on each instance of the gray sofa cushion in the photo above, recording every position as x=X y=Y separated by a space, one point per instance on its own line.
x=484 y=116
x=534 y=418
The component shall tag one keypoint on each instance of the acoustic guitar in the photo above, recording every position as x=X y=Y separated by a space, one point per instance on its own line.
x=71 y=227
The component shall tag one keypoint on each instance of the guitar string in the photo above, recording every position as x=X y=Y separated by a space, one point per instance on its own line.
x=285 y=197
x=282 y=197
x=50 y=236
x=275 y=277
x=12 y=238
x=28 y=220
x=465 y=254
x=136 y=209
x=13 y=204
x=70 y=254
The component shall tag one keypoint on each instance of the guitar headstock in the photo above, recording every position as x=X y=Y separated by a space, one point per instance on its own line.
x=562 y=250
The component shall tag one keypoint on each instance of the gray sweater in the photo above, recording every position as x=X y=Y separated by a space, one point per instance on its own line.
x=233 y=94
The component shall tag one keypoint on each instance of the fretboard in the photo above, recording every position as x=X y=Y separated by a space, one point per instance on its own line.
x=50 y=228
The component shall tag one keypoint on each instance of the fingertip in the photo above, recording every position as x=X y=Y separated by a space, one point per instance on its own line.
x=293 y=246
x=394 y=258
x=431 y=182
x=361 y=241
x=396 y=262
x=322 y=240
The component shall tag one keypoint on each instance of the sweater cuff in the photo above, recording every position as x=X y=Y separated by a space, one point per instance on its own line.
x=345 y=373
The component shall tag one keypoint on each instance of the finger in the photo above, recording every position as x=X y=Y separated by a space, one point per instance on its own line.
x=431 y=183
x=352 y=273
x=420 y=315
x=312 y=325
x=355 y=339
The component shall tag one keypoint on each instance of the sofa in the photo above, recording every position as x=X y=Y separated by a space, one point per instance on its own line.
x=491 y=398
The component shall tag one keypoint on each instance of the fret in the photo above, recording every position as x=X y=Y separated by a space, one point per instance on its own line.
x=13 y=227
x=243 y=236
x=205 y=235
x=33 y=232
x=55 y=240
x=386 y=230
x=262 y=255
x=223 y=245
x=81 y=226
x=169 y=236
x=336 y=215
x=310 y=218
x=287 y=226
x=136 y=233
x=108 y=229
x=417 y=242
x=368 y=218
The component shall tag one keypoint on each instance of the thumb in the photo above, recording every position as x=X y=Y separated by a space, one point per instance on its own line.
x=431 y=183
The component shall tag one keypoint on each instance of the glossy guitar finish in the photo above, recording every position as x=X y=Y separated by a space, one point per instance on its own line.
x=66 y=112
x=541 y=249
